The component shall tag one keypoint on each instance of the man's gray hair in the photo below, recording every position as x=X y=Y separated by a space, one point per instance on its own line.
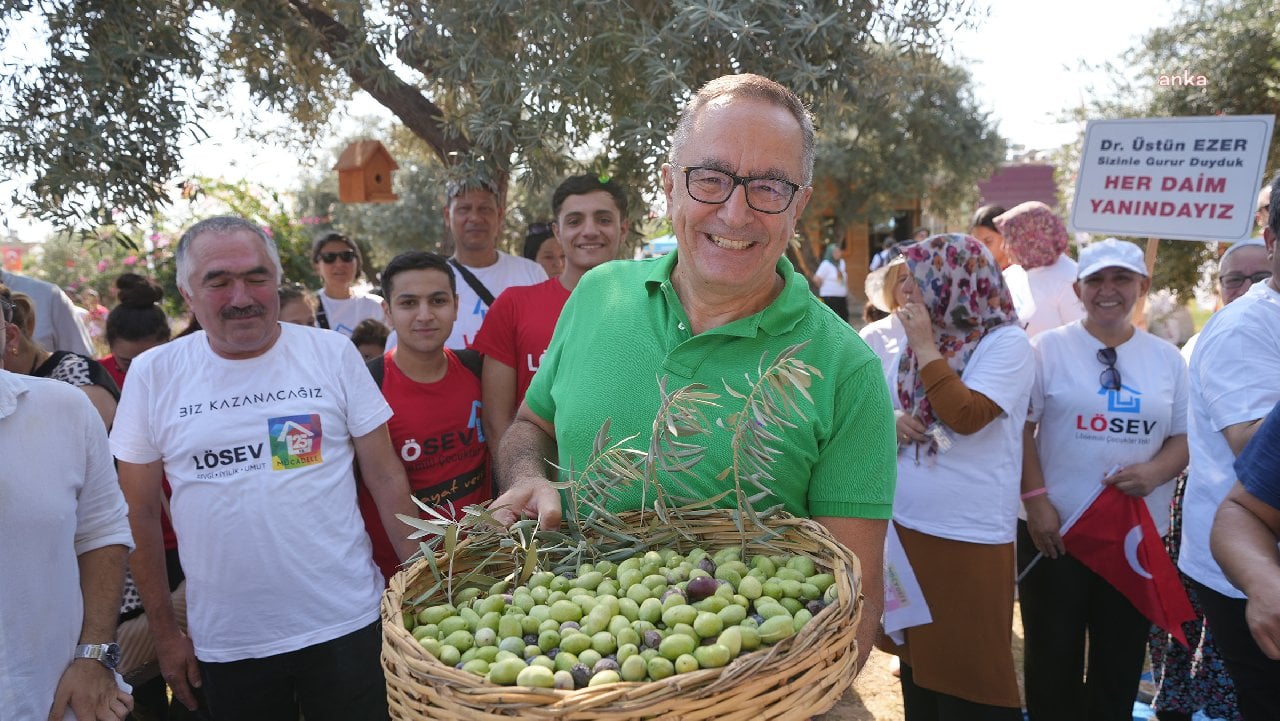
x=756 y=87
x=220 y=225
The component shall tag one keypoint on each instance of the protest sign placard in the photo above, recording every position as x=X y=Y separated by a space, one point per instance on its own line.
x=1182 y=178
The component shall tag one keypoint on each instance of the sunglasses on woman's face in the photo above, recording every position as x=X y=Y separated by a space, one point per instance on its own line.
x=345 y=256
x=1110 y=376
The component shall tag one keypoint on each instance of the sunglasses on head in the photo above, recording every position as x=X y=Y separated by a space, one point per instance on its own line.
x=346 y=256
x=1110 y=376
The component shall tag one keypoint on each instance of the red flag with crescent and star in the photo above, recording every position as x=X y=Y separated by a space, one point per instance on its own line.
x=1116 y=538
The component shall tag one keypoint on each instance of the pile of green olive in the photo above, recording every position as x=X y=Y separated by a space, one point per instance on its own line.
x=644 y=619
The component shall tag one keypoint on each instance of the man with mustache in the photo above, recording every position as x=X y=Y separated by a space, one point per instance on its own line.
x=257 y=425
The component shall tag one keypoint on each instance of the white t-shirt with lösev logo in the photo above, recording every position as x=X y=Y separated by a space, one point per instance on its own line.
x=259 y=455
x=1086 y=430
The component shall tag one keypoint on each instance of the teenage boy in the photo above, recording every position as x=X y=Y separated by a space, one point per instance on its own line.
x=434 y=393
x=590 y=222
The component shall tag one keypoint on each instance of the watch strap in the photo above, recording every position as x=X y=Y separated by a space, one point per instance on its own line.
x=108 y=654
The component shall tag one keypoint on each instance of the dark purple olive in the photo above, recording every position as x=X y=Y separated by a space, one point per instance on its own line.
x=568 y=625
x=531 y=639
x=604 y=664
x=708 y=565
x=668 y=592
x=701 y=587
x=757 y=618
x=652 y=638
x=507 y=598
x=581 y=675
x=553 y=653
x=815 y=606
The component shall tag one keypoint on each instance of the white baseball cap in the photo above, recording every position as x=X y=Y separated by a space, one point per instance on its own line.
x=1110 y=253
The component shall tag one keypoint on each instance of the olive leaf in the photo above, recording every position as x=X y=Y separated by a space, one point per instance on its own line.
x=591 y=532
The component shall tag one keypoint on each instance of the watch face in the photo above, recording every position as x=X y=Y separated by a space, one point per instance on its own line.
x=108 y=654
x=111 y=655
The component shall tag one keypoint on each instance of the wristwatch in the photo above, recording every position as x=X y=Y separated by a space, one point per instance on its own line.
x=107 y=654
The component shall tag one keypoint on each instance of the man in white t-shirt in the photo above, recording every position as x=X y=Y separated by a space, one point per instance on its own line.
x=257 y=425
x=66 y=541
x=1235 y=382
x=473 y=213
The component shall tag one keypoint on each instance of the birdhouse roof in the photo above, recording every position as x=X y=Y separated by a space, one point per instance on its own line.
x=360 y=153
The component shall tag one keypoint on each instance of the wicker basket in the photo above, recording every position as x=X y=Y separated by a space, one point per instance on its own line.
x=796 y=678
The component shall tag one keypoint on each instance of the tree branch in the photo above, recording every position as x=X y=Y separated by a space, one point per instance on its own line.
x=421 y=116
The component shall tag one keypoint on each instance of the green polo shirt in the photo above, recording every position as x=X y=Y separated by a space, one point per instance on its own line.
x=624 y=328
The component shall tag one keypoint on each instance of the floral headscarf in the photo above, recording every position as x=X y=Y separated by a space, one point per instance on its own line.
x=1033 y=234
x=966 y=297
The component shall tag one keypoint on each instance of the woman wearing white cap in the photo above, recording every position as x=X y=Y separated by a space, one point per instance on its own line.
x=1109 y=406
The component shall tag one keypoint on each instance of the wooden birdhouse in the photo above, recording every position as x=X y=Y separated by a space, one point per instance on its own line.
x=364 y=173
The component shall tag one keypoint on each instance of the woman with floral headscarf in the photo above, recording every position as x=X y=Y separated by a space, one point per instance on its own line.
x=1041 y=278
x=962 y=388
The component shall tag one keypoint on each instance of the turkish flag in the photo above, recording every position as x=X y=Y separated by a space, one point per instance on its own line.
x=1116 y=538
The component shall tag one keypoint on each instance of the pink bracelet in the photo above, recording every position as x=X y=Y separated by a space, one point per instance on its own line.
x=1037 y=492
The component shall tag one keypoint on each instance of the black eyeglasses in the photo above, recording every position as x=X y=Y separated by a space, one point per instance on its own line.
x=1110 y=376
x=767 y=195
x=346 y=256
x=1235 y=280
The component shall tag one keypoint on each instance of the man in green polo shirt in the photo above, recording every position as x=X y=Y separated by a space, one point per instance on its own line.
x=708 y=313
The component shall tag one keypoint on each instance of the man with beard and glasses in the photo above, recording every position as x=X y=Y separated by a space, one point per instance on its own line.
x=257 y=425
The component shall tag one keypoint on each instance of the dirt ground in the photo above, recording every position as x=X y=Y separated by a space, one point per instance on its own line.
x=876 y=695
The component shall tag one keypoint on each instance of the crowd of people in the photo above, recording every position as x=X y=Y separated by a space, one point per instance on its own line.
x=263 y=455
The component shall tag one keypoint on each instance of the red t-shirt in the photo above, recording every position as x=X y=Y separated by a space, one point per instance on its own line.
x=166 y=528
x=436 y=431
x=518 y=328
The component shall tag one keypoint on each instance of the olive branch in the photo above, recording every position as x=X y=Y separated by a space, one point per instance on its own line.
x=515 y=553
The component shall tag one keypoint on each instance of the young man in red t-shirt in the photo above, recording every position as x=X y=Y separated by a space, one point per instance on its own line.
x=590 y=222
x=434 y=394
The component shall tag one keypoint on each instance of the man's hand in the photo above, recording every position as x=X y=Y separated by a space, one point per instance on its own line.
x=90 y=690
x=178 y=666
x=524 y=473
x=1043 y=525
x=529 y=497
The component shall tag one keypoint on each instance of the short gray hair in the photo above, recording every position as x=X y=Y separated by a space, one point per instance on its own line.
x=756 y=87
x=220 y=225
